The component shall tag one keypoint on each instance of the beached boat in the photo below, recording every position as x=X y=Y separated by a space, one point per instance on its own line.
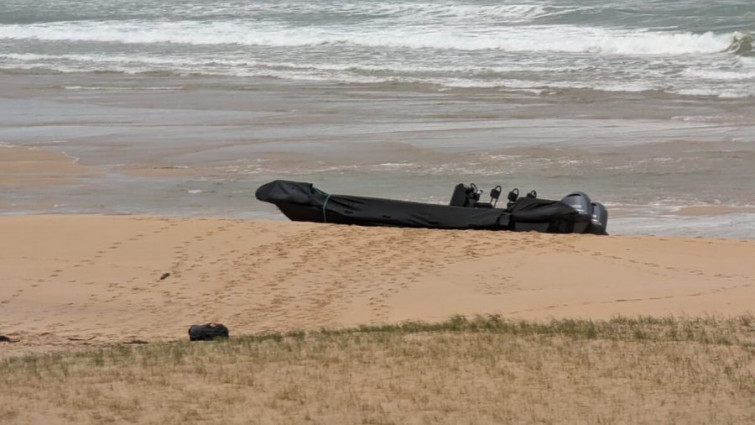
x=575 y=213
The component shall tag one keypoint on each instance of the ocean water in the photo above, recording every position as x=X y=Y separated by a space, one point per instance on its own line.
x=685 y=46
x=647 y=105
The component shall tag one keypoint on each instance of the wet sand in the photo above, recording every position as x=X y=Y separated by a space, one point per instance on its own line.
x=29 y=167
x=74 y=280
x=199 y=146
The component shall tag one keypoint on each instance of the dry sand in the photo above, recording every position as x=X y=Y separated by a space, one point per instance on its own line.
x=77 y=280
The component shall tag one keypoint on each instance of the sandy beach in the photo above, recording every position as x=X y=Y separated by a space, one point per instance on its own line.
x=133 y=137
x=72 y=280
x=79 y=278
x=115 y=239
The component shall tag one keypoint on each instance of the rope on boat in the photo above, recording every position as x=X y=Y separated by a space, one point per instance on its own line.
x=324 y=218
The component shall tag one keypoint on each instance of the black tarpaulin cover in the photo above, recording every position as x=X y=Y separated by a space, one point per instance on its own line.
x=303 y=202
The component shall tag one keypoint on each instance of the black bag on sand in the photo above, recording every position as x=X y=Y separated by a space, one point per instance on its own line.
x=207 y=332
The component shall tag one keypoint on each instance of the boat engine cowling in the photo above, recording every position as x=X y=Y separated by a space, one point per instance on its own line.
x=599 y=221
x=584 y=207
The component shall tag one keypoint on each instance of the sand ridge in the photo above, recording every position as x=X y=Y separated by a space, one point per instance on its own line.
x=82 y=280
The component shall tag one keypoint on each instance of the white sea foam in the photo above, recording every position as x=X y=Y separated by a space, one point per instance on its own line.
x=740 y=226
x=101 y=61
x=715 y=74
x=512 y=46
x=569 y=39
x=716 y=92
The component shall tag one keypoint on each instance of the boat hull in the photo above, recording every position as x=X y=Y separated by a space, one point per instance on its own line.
x=303 y=202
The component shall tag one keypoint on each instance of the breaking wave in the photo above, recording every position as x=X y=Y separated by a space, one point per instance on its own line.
x=514 y=44
x=741 y=44
x=567 y=39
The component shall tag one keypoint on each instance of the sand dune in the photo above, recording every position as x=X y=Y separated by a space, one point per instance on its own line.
x=75 y=280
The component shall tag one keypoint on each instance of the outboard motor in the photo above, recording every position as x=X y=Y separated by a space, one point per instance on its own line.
x=599 y=221
x=580 y=202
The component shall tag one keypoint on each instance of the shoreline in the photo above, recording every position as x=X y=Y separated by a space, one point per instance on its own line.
x=29 y=173
x=201 y=146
